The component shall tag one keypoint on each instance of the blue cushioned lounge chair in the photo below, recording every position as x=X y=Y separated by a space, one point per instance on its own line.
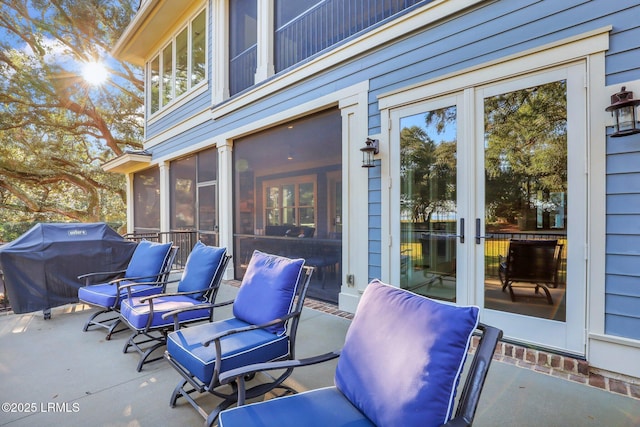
x=194 y=297
x=266 y=312
x=400 y=366
x=150 y=262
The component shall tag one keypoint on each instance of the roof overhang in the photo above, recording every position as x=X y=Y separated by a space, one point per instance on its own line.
x=153 y=19
x=128 y=163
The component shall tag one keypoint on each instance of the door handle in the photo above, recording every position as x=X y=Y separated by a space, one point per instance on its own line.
x=461 y=235
x=479 y=235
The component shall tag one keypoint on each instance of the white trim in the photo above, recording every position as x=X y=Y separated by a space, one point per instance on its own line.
x=179 y=128
x=542 y=57
x=402 y=25
x=265 y=67
x=290 y=114
x=220 y=52
x=614 y=354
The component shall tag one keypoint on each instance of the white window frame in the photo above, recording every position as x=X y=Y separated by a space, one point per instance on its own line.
x=158 y=55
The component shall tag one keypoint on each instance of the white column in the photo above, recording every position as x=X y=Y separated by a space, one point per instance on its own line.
x=130 y=202
x=265 y=67
x=355 y=202
x=165 y=198
x=219 y=51
x=225 y=199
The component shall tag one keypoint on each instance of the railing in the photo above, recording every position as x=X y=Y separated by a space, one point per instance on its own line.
x=328 y=23
x=495 y=244
x=183 y=239
x=242 y=70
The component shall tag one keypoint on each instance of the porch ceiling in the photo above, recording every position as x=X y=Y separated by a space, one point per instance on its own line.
x=148 y=28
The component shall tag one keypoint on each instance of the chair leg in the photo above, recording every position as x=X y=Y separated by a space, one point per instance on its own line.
x=546 y=291
x=160 y=341
x=511 y=293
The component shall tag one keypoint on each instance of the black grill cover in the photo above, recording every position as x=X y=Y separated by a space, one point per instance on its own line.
x=42 y=266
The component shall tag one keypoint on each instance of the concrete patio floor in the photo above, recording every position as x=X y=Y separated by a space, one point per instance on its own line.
x=52 y=373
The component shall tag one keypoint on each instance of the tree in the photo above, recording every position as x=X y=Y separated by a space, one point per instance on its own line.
x=526 y=149
x=427 y=172
x=55 y=128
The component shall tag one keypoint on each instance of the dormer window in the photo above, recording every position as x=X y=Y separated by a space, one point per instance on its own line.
x=180 y=65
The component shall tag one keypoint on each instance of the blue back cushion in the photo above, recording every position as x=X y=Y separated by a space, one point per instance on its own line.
x=147 y=260
x=202 y=265
x=403 y=356
x=268 y=289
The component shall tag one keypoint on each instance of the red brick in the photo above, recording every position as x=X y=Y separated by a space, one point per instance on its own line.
x=569 y=364
x=508 y=350
x=519 y=353
x=530 y=356
x=634 y=390
x=578 y=378
x=618 y=386
x=596 y=380
x=583 y=367
x=556 y=361
x=543 y=358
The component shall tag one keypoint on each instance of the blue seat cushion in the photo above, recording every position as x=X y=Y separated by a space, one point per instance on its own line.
x=148 y=260
x=201 y=268
x=104 y=295
x=403 y=357
x=317 y=408
x=137 y=313
x=268 y=289
x=239 y=349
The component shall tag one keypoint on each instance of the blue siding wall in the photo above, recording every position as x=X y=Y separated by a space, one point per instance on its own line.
x=495 y=30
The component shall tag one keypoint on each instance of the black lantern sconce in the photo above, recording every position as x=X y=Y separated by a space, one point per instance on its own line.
x=371 y=148
x=623 y=108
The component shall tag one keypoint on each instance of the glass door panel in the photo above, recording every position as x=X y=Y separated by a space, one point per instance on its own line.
x=428 y=202
x=526 y=193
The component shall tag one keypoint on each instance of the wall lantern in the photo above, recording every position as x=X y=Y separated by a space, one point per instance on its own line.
x=623 y=108
x=370 y=149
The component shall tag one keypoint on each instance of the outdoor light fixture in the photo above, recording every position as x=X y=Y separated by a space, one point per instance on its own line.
x=623 y=108
x=368 y=151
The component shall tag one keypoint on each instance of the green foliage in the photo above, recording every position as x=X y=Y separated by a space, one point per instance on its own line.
x=56 y=130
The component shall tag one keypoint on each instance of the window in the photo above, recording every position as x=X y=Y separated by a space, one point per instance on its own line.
x=146 y=200
x=179 y=66
x=288 y=198
x=290 y=203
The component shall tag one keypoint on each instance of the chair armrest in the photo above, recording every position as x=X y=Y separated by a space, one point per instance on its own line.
x=169 y=294
x=239 y=374
x=88 y=276
x=221 y=335
x=243 y=371
x=175 y=313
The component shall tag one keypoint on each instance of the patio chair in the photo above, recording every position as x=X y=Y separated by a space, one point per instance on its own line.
x=400 y=365
x=197 y=289
x=150 y=262
x=533 y=262
x=266 y=312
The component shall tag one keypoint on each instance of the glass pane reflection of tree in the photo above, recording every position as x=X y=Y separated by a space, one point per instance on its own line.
x=428 y=150
x=525 y=189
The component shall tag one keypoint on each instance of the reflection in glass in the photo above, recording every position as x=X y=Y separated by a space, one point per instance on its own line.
x=198 y=48
x=526 y=200
x=286 y=197
x=154 y=79
x=428 y=208
x=182 y=54
x=167 y=74
x=146 y=200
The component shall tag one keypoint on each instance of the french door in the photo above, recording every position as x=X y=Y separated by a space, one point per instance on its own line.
x=482 y=170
